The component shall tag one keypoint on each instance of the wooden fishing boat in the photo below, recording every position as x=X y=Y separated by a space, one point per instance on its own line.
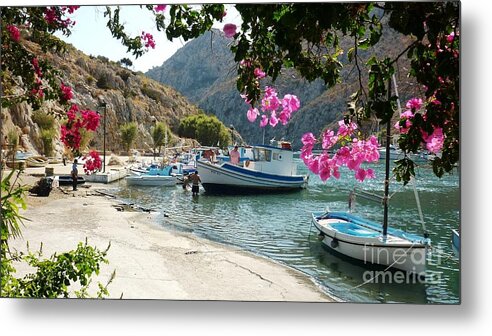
x=36 y=161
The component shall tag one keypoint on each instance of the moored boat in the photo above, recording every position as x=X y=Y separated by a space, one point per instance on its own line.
x=153 y=177
x=455 y=240
x=271 y=169
x=364 y=241
x=36 y=161
x=151 y=180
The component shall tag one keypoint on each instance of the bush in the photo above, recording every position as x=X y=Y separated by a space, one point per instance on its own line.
x=47 y=136
x=44 y=120
x=128 y=134
x=207 y=130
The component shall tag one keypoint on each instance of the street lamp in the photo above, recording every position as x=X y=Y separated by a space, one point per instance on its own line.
x=231 y=127
x=103 y=105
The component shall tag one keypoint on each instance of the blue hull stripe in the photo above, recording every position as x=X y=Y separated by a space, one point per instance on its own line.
x=297 y=183
x=238 y=169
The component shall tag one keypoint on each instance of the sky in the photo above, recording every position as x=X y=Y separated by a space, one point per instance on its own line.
x=91 y=36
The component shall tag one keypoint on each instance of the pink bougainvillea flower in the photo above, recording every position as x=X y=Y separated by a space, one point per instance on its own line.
x=245 y=63
x=160 y=8
x=308 y=139
x=229 y=30
x=329 y=139
x=450 y=37
x=252 y=114
x=284 y=117
x=264 y=120
x=435 y=141
x=414 y=104
x=14 y=33
x=90 y=119
x=270 y=101
x=291 y=102
x=313 y=164
x=346 y=130
x=92 y=163
x=259 y=73
x=148 y=40
x=273 y=119
x=67 y=93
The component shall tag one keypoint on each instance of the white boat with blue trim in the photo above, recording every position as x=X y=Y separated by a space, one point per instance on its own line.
x=153 y=177
x=271 y=169
x=364 y=241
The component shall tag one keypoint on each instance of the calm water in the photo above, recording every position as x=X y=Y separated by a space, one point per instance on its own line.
x=279 y=227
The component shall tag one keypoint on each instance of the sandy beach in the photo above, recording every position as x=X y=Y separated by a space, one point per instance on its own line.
x=150 y=261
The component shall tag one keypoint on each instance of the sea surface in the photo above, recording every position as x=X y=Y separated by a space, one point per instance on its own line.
x=279 y=227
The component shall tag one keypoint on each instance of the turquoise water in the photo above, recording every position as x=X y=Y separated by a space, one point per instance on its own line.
x=279 y=227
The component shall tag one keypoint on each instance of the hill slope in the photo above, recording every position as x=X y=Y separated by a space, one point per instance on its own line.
x=130 y=97
x=204 y=71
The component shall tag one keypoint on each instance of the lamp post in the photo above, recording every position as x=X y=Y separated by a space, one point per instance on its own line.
x=103 y=105
x=154 y=122
x=231 y=127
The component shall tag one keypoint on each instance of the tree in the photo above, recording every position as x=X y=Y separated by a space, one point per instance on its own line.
x=128 y=134
x=160 y=136
x=126 y=62
x=207 y=130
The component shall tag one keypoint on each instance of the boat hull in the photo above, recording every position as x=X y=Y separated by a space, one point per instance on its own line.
x=151 y=180
x=455 y=239
x=228 y=178
x=367 y=245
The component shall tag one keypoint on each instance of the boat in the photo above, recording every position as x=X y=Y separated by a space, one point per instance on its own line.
x=371 y=243
x=64 y=180
x=455 y=240
x=271 y=169
x=36 y=161
x=153 y=177
x=363 y=240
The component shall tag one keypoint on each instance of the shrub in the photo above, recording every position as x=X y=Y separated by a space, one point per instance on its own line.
x=128 y=134
x=44 y=120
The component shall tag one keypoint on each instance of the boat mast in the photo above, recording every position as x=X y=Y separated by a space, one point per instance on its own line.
x=387 y=176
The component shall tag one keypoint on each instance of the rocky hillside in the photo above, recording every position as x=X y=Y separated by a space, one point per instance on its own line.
x=204 y=71
x=129 y=96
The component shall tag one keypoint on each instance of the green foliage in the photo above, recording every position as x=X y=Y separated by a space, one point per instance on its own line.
x=53 y=277
x=45 y=121
x=12 y=198
x=128 y=134
x=207 y=130
x=47 y=136
x=13 y=138
x=126 y=62
x=160 y=134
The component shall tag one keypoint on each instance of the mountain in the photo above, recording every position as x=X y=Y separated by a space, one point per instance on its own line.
x=130 y=97
x=204 y=71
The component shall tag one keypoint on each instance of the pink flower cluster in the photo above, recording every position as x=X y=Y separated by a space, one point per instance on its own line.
x=160 y=8
x=92 y=163
x=433 y=142
x=37 y=69
x=54 y=17
x=272 y=104
x=14 y=33
x=67 y=93
x=37 y=91
x=352 y=156
x=77 y=119
x=229 y=30
x=148 y=40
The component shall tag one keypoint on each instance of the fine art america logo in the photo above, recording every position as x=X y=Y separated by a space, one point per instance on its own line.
x=403 y=267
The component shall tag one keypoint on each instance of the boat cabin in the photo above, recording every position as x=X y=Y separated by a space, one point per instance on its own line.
x=273 y=159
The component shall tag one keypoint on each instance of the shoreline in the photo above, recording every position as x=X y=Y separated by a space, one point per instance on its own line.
x=152 y=262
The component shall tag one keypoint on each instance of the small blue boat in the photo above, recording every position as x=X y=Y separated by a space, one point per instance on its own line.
x=456 y=240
